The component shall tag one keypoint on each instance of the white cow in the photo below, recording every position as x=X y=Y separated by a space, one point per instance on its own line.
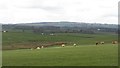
x=74 y=44
x=38 y=48
x=42 y=47
x=63 y=45
x=102 y=42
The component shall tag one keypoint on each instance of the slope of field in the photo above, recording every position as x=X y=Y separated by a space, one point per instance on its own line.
x=89 y=55
x=23 y=38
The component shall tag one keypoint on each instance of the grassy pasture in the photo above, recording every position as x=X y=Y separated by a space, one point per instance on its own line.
x=85 y=54
x=89 y=55
x=22 y=39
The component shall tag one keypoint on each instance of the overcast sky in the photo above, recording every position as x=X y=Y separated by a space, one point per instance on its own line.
x=27 y=11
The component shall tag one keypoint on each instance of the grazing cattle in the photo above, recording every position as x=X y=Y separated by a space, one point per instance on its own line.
x=114 y=42
x=74 y=44
x=97 y=43
x=42 y=33
x=102 y=42
x=51 y=34
x=42 y=46
x=4 y=31
x=63 y=45
x=48 y=45
x=38 y=48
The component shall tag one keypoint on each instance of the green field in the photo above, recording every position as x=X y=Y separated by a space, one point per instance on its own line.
x=17 y=38
x=85 y=54
x=90 y=55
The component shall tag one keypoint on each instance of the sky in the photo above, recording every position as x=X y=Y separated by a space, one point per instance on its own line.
x=89 y=11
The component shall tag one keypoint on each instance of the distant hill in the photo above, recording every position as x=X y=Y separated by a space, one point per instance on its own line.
x=78 y=27
x=68 y=24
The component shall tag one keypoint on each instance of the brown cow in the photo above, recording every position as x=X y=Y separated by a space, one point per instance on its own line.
x=114 y=42
x=99 y=42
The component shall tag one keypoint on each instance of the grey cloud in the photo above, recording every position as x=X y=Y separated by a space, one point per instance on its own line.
x=40 y=4
x=52 y=9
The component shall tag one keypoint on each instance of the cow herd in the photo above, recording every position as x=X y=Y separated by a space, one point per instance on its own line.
x=102 y=42
x=62 y=44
